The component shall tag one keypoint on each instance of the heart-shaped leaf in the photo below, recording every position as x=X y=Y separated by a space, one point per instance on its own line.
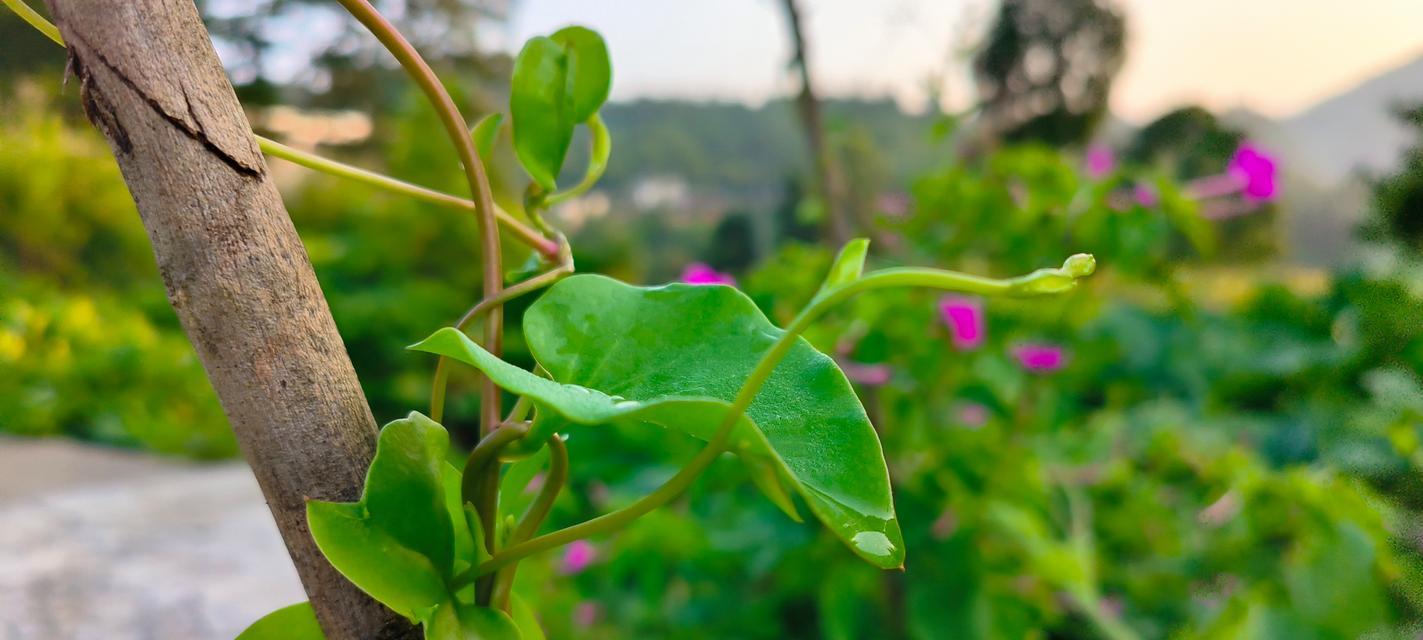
x=295 y=622
x=590 y=73
x=558 y=83
x=398 y=542
x=676 y=356
x=539 y=106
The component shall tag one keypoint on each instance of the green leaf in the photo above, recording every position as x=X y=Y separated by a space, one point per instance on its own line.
x=541 y=110
x=484 y=133
x=558 y=83
x=468 y=535
x=848 y=265
x=514 y=496
x=675 y=356
x=590 y=73
x=525 y=619
x=398 y=542
x=295 y=622
x=457 y=621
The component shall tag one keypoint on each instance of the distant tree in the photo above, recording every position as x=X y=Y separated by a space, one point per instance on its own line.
x=1189 y=141
x=347 y=67
x=733 y=245
x=829 y=176
x=1046 y=69
x=1397 y=213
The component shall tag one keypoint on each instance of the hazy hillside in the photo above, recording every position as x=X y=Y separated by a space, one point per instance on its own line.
x=733 y=148
x=1356 y=129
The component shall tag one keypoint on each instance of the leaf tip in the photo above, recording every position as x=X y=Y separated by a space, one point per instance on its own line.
x=1080 y=265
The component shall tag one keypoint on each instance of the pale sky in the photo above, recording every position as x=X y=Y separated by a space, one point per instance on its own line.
x=1274 y=56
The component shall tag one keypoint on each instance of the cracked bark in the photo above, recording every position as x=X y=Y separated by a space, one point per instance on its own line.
x=236 y=273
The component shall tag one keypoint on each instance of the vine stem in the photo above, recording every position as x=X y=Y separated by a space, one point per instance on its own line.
x=1042 y=281
x=490 y=257
x=537 y=512
x=328 y=166
x=525 y=234
x=35 y=20
x=442 y=374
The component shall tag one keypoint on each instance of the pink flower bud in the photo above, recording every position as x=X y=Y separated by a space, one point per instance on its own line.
x=576 y=557
x=1146 y=195
x=964 y=318
x=972 y=415
x=1255 y=169
x=1099 y=161
x=1040 y=358
x=585 y=614
x=698 y=273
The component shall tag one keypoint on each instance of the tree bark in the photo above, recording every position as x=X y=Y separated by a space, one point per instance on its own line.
x=236 y=273
x=830 y=181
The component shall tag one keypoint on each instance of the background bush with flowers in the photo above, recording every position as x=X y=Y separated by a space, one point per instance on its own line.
x=1190 y=445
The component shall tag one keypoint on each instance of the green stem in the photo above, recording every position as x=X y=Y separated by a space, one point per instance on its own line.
x=525 y=234
x=537 y=512
x=36 y=20
x=1042 y=281
x=441 y=381
x=1110 y=625
x=597 y=162
x=485 y=455
x=491 y=260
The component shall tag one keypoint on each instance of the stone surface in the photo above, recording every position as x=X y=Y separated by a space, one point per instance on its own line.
x=111 y=545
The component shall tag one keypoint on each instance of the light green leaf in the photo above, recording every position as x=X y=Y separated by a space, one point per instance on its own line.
x=398 y=542
x=514 y=493
x=590 y=73
x=468 y=535
x=848 y=265
x=541 y=110
x=457 y=621
x=525 y=619
x=485 y=133
x=295 y=622
x=675 y=356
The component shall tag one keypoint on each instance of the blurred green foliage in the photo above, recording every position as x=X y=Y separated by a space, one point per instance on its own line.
x=1226 y=454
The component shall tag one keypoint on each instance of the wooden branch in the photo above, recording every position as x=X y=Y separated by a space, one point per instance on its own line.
x=237 y=274
x=829 y=179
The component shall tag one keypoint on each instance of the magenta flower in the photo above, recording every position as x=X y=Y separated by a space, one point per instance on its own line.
x=1146 y=195
x=698 y=273
x=1100 y=161
x=576 y=557
x=964 y=318
x=1040 y=358
x=1255 y=170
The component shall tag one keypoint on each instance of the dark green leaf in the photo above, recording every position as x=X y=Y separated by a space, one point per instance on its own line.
x=397 y=543
x=590 y=73
x=541 y=110
x=295 y=622
x=675 y=356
